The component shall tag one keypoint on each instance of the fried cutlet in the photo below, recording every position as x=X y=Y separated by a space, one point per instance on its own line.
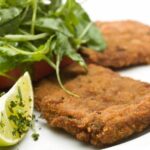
x=128 y=44
x=109 y=108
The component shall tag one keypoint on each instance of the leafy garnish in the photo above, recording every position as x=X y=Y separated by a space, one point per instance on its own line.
x=35 y=30
x=35 y=136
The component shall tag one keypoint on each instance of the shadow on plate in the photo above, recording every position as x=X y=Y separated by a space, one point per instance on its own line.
x=130 y=67
x=134 y=137
x=62 y=134
x=87 y=146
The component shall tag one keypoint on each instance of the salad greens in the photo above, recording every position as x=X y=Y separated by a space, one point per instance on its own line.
x=49 y=30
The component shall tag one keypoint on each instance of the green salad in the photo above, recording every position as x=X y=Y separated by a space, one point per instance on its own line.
x=47 y=30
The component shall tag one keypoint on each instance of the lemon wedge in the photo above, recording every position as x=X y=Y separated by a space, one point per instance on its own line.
x=16 y=109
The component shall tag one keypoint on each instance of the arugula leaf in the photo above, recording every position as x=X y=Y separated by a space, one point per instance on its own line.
x=10 y=20
x=76 y=57
x=17 y=3
x=55 y=4
x=64 y=48
x=80 y=24
x=92 y=37
x=20 y=38
x=5 y=64
x=52 y=24
x=26 y=56
x=60 y=48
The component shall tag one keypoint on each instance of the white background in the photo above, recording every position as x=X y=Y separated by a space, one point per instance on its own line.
x=118 y=9
x=98 y=10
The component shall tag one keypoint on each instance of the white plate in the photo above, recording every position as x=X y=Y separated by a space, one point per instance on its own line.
x=98 y=10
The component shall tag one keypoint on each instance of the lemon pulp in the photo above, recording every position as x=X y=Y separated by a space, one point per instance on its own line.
x=16 y=108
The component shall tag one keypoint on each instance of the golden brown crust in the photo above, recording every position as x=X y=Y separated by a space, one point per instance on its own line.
x=110 y=107
x=128 y=43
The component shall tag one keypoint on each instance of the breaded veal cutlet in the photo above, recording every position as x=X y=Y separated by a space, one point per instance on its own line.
x=109 y=108
x=128 y=44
